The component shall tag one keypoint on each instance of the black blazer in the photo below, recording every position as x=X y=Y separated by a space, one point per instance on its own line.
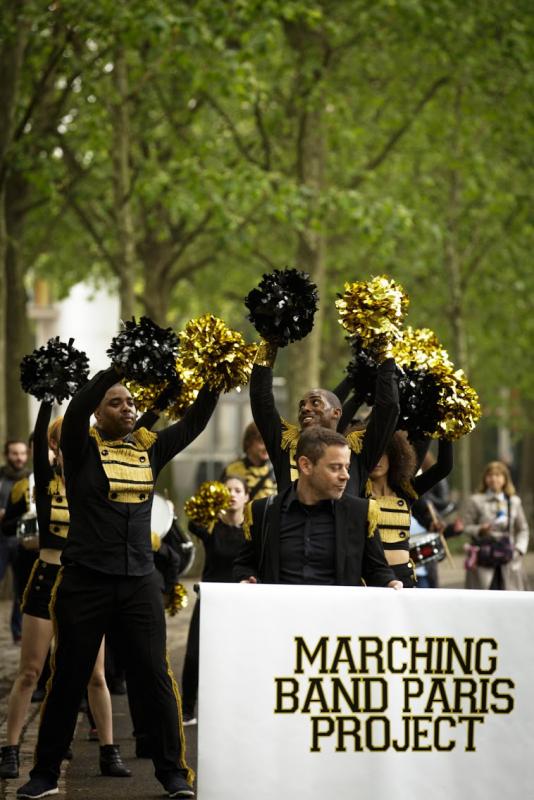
x=358 y=555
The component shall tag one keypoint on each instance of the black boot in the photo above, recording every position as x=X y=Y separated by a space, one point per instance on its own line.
x=111 y=762
x=9 y=761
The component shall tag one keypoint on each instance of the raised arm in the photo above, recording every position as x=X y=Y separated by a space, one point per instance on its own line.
x=177 y=437
x=264 y=410
x=383 y=417
x=42 y=470
x=75 y=427
x=438 y=471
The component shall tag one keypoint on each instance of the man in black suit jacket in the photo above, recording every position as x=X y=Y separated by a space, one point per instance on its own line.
x=311 y=533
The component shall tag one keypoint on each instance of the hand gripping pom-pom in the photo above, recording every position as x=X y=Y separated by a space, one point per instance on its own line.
x=54 y=372
x=220 y=355
x=205 y=506
x=144 y=352
x=436 y=401
x=373 y=311
x=283 y=306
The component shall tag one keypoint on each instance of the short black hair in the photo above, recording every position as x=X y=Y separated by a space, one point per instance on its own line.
x=313 y=442
x=13 y=441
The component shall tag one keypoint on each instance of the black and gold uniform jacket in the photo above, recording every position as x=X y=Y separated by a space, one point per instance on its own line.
x=358 y=550
x=280 y=438
x=50 y=497
x=110 y=521
x=394 y=510
x=259 y=479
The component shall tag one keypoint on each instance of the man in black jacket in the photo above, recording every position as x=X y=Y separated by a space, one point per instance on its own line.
x=108 y=580
x=322 y=407
x=313 y=533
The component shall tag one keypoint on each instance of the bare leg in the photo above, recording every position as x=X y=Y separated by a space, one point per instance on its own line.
x=36 y=637
x=100 y=699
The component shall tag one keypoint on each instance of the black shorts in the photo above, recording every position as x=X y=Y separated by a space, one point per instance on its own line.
x=39 y=589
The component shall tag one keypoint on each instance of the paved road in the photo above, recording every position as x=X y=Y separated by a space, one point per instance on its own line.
x=80 y=778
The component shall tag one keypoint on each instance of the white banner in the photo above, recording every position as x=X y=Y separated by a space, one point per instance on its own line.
x=309 y=693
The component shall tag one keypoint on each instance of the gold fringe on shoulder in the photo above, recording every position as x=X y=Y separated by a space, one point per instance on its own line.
x=144 y=438
x=368 y=487
x=408 y=489
x=19 y=489
x=373 y=514
x=355 y=441
x=290 y=434
x=247 y=521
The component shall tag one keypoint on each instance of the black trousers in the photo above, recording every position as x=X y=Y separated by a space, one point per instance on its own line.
x=191 y=663
x=88 y=605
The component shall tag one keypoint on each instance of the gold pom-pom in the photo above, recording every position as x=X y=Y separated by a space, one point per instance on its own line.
x=205 y=506
x=373 y=311
x=144 y=397
x=420 y=348
x=219 y=354
x=191 y=385
x=176 y=600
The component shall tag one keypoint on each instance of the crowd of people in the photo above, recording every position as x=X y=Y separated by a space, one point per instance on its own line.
x=330 y=500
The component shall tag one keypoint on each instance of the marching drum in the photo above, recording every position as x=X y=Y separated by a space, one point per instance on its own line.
x=426 y=547
x=165 y=525
x=28 y=530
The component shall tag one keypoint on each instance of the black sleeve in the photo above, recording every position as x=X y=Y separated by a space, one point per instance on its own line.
x=199 y=531
x=147 y=420
x=167 y=563
x=42 y=470
x=383 y=418
x=421 y=447
x=75 y=427
x=246 y=564
x=177 y=437
x=343 y=389
x=375 y=569
x=438 y=471
x=266 y=414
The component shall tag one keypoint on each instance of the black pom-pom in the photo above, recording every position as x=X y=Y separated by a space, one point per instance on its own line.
x=283 y=306
x=362 y=370
x=144 y=352
x=419 y=393
x=55 y=371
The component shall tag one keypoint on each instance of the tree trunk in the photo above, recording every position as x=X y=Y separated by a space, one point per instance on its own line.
x=19 y=335
x=305 y=356
x=122 y=187
x=16 y=23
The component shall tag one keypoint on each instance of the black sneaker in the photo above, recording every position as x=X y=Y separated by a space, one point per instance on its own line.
x=177 y=786
x=38 y=787
x=9 y=761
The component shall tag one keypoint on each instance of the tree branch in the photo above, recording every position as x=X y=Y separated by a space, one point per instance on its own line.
x=487 y=245
x=397 y=135
x=239 y=143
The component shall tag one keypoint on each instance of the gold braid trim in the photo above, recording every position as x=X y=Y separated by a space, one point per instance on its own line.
x=19 y=489
x=190 y=774
x=29 y=585
x=408 y=489
x=51 y=610
x=144 y=438
x=373 y=514
x=127 y=466
x=265 y=354
x=355 y=441
x=247 y=521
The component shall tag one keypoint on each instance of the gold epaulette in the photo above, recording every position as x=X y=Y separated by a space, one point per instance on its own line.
x=373 y=514
x=368 y=487
x=290 y=434
x=355 y=440
x=156 y=542
x=408 y=489
x=144 y=438
x=235 y=468
x=247 y=521
x=19 y=489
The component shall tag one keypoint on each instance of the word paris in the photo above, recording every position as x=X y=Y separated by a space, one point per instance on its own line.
x=421 y=694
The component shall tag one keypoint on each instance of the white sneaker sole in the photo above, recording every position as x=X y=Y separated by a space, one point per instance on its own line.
x=37 y=796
